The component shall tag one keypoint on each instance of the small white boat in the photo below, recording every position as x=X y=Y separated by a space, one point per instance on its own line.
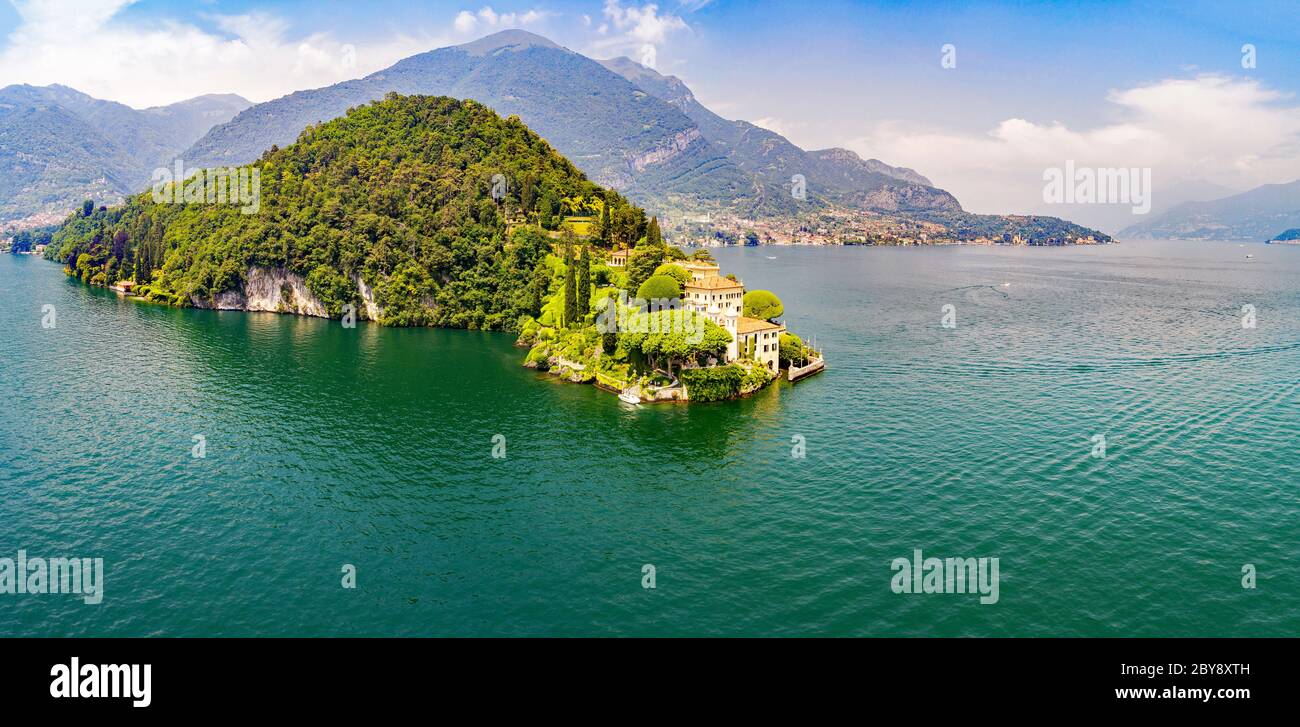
x=627 y=397
x=1249 y=256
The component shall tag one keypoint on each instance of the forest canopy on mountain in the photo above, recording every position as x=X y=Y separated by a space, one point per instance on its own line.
x=441 y=207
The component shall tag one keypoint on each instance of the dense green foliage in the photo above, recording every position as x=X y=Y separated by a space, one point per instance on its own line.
x=674 y=336
x=762 y=304
x=713 y=384
x=397 y=194
x=583 y=276
x=642 y=262
x=659 y=287
x=570 y=284
x=25 y=240
x=790 y=348
x=1036 y=229
x=676 y=272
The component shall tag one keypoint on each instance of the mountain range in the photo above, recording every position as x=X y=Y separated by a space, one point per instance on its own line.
x=625 y=125
x=1258 y=214
x=632 y=129
x=59 y=146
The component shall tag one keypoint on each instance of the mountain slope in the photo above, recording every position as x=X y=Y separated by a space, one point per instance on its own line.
x=625 y=126
x=908 y=204
x=50 y=158
x=628 y=128
x=837 y=176
x=59 y=146
x=388 y=208
x=1257 y=214
x=618 y=134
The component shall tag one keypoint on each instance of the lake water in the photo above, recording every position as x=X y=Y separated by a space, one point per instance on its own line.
x=373 y=447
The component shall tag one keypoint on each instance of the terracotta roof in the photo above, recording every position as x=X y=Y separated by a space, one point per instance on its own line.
x=714 y=283
x=745 y=324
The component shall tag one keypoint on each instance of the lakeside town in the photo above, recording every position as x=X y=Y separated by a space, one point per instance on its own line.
x=846 y=226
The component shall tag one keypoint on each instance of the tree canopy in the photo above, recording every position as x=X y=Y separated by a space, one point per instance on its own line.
x=659 y=287
x=676 y=272
x=674 y=336
x=396 y=194
x=762 y=304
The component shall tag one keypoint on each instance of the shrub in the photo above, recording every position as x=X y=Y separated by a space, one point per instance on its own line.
x=790 y=348
x=713 y=384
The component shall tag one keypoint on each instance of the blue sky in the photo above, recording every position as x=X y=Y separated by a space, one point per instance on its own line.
x=1086 y=78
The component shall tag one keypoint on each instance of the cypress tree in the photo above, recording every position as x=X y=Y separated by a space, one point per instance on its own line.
x=603 y=231
x=570 y=286
x=584 y=283
x=528 y=195
x=653 y=237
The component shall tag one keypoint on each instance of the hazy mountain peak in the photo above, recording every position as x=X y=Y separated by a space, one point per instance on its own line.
x=513 y=39
x=59 y=145
x=1257 y=214
x=631 y=70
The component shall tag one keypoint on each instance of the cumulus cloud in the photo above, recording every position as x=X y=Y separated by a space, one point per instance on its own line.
x=1229 y=131
x=487 y=20
x=87 y=45
x=638 y=31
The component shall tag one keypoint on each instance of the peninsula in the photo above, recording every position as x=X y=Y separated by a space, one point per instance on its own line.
x=429 y=211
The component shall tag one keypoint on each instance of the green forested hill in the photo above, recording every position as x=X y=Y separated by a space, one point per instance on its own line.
x=396 y=195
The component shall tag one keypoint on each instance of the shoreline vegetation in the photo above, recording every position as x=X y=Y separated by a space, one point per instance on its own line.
x=689 y=334
x=428 y=211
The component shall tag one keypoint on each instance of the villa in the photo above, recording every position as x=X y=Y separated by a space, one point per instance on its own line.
x=617 y=259
x=721 y=300
x=759 y=340
x=700 y=269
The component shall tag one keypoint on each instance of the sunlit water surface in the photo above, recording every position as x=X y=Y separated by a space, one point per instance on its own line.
x=372 y=447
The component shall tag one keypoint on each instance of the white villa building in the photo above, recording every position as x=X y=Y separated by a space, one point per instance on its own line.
x=722 y=301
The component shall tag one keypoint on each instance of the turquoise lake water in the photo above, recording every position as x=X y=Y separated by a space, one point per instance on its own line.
x=373 y=447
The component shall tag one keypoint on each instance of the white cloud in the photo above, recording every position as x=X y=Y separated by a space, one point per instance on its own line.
x=1229 y=131
x=465 y=21
x=633 y=30
x=644 y=23
x=487 y=20
x=85 y=44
